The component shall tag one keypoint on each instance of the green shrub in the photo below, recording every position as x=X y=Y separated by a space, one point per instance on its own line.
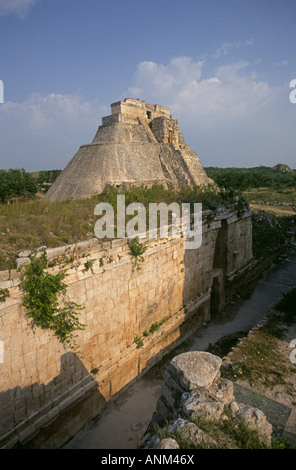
x=46 y=302
x=16 y=183
x=4 y=293
x=137 y=249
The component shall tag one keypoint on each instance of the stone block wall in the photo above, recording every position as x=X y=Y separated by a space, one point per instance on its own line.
x=165 y=130
x=41 y=382
x=137 y=108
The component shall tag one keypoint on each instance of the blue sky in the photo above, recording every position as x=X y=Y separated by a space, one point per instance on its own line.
x=223 y=67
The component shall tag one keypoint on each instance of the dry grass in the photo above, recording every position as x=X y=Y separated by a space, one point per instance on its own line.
x=25 y=225
x=271 y=196
x=275 y=210
x=30 y=224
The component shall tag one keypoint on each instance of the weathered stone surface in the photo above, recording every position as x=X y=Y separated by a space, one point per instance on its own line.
x=256 y=420
x=171 y=382
x=168 y=443
x=201 y=404
x=152 y=443
x=22 y=262
x=191 y=433
x=164 y=410
x=212 y=403
x=24 y=254
x=169 y=395
x=195 y=369
x=139 y=143
x=223 y=390
x=113 y=317
x=233 y=408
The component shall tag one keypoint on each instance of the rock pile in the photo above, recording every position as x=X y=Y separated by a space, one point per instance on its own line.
x=193 y=389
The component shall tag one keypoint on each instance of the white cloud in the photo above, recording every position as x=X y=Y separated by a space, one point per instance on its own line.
x=45 y=131
x=164 y=81
x=18 y=7
x=228 y=46
x=231 y=92
x=227 y=110
x=40 y=112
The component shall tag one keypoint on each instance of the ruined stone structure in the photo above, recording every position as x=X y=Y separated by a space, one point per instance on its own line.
x=47 y=393
x=139 y=143
x=193 y=389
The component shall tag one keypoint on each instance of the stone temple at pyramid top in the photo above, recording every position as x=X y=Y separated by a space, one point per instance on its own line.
x=138 y=144
x=132 y=108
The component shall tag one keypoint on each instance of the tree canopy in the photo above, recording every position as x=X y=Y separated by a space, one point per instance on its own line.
x=15 y=183
x=246 y=178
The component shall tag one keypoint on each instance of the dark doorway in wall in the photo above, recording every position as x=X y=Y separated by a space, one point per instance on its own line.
x=219 y=269
x=148 y=114
x=217 y=293
x=220 y=256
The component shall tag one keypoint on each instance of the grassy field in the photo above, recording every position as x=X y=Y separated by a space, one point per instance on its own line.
x=33 y=223
x=277 y=201
x=264 y=188
x=29 y=224
x=269 y=195
x=276 y=210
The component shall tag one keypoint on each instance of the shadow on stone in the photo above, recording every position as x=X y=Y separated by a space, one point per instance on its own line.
x=47 y=415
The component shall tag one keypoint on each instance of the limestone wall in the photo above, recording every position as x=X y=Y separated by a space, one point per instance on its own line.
x=47 y=392
x=165 y=130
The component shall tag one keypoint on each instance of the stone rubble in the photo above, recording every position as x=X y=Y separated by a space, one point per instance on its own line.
x=193 y=388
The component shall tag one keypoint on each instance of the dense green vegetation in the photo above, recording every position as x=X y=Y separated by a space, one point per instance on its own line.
x=269 y=232
x=29 y=224
x=45 y=178
x=46 y=302
x=211 y=197
x=20 y=183
x=256 y=177
x=16 y=183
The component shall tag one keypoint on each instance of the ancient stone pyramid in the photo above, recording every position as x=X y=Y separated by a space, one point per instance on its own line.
x=139 y=143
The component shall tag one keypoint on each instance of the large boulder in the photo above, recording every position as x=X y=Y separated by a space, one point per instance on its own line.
x=195 y=369
x=193 y=390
